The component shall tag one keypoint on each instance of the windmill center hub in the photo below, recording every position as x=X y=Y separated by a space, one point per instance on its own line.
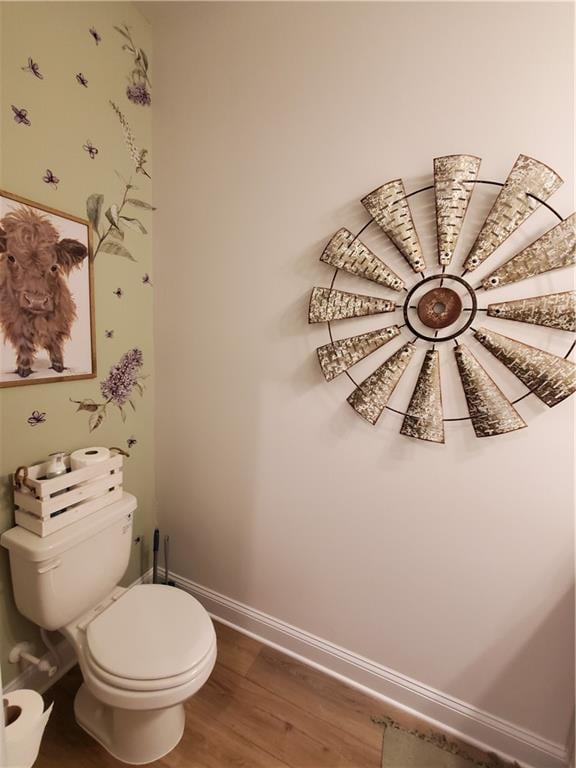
x=439 y=308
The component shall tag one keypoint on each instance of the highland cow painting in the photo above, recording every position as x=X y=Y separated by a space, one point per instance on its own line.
x=46 y=295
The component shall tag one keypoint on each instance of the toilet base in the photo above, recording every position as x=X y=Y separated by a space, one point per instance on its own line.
x=132 y=736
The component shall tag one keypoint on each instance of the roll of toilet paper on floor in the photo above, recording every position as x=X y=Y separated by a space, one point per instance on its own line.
x=24 y=720
x=85 y=457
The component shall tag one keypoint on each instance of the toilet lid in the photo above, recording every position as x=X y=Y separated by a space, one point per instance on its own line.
x=152 y=632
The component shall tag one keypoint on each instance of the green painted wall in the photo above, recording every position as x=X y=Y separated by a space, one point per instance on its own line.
x=64 y=116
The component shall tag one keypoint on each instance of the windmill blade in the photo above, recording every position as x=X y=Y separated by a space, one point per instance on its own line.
x=424 y=417
x=345 y=251
x=338 y=356
x=555 y=310
x=370 y=398
x=453 y=175
x=490 y=411
x=329 y=304
x=554 y=250
x=513 y=206
x=549 y=377
x=389 y=207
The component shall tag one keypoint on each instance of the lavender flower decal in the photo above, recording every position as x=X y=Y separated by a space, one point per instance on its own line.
x=122 y=379
x=117 y=389
x=139 y=94
x=138 y=89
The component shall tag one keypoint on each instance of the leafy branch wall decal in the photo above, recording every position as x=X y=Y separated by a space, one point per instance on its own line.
x=110 y=238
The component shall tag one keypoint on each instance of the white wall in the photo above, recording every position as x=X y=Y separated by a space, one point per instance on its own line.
x=452 y=565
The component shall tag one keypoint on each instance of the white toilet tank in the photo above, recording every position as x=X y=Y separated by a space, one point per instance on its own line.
x=58 y=578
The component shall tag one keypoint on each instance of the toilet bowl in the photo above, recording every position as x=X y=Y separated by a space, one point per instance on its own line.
x=142 y=651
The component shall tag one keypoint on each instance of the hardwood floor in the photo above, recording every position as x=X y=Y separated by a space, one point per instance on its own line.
x=259 y=709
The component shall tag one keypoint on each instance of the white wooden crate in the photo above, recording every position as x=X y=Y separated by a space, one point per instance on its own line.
x=47 y=505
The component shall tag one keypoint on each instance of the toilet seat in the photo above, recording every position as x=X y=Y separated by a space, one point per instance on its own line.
x=146 y=684
x=153 y=638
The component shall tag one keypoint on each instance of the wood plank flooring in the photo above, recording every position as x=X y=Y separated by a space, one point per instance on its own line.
x=259 y=709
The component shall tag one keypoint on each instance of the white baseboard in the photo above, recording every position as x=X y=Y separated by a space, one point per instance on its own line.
x=448 y=714
x=30 y=677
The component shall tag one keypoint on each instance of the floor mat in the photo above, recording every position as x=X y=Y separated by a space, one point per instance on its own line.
x=403 y=748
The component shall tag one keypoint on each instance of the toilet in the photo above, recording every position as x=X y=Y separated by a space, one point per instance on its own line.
x=143 y=651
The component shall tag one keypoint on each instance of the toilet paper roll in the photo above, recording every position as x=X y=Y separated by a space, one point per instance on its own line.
x=85 y=457
x=25 y=721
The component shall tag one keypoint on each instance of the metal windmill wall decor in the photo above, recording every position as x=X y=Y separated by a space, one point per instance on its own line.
x=444 y=305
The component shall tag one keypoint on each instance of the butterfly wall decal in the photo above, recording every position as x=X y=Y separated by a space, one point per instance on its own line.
x=82 y=79
x=95 y=35
x=92 y=151
x=50 y=179
x=33 y=68
x=37 y=417
x=21 y=115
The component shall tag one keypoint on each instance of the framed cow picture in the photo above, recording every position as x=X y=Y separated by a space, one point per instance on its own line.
x=46 y=295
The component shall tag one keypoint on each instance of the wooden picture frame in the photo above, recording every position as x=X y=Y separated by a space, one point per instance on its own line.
x=47 y=312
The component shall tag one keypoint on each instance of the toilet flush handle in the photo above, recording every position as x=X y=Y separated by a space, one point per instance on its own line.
x=51 y=566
